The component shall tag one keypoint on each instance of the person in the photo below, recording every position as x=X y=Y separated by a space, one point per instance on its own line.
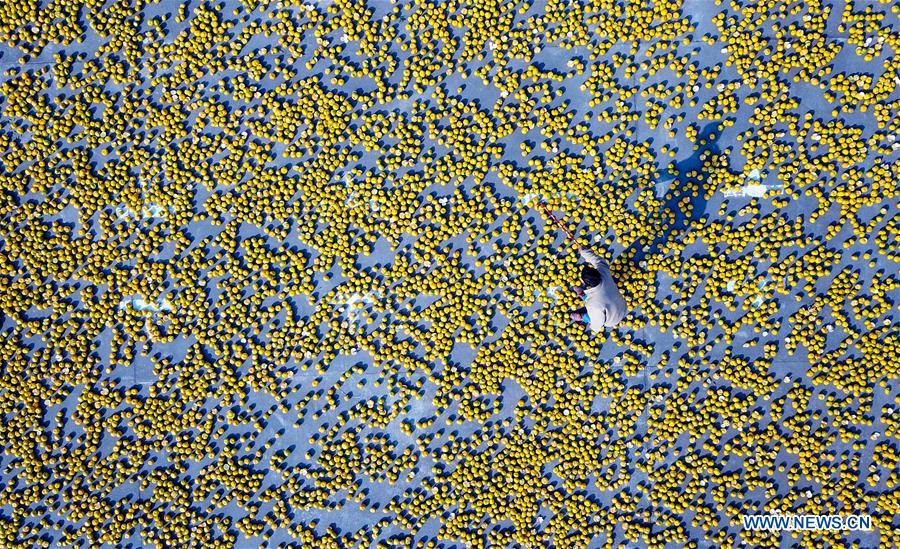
x=603 y=304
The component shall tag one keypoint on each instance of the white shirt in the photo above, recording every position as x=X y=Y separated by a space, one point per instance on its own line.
x=604 y=303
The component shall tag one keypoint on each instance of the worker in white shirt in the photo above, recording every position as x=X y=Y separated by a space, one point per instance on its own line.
x=603 y=304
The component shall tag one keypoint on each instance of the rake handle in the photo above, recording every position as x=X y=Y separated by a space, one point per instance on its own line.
x=560 y=225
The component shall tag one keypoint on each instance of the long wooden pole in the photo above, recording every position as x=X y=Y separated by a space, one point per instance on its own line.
x=560 y=225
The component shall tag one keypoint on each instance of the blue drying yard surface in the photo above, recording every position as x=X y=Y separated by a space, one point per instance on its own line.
x=275 y=274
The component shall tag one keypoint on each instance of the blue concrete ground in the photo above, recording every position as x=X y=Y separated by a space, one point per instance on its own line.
x=277 y=420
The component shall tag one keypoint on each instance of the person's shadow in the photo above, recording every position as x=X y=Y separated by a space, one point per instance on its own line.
x=684 y=193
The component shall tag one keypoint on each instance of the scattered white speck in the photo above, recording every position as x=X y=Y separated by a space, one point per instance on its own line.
x=661 y=188
x=752 y=190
